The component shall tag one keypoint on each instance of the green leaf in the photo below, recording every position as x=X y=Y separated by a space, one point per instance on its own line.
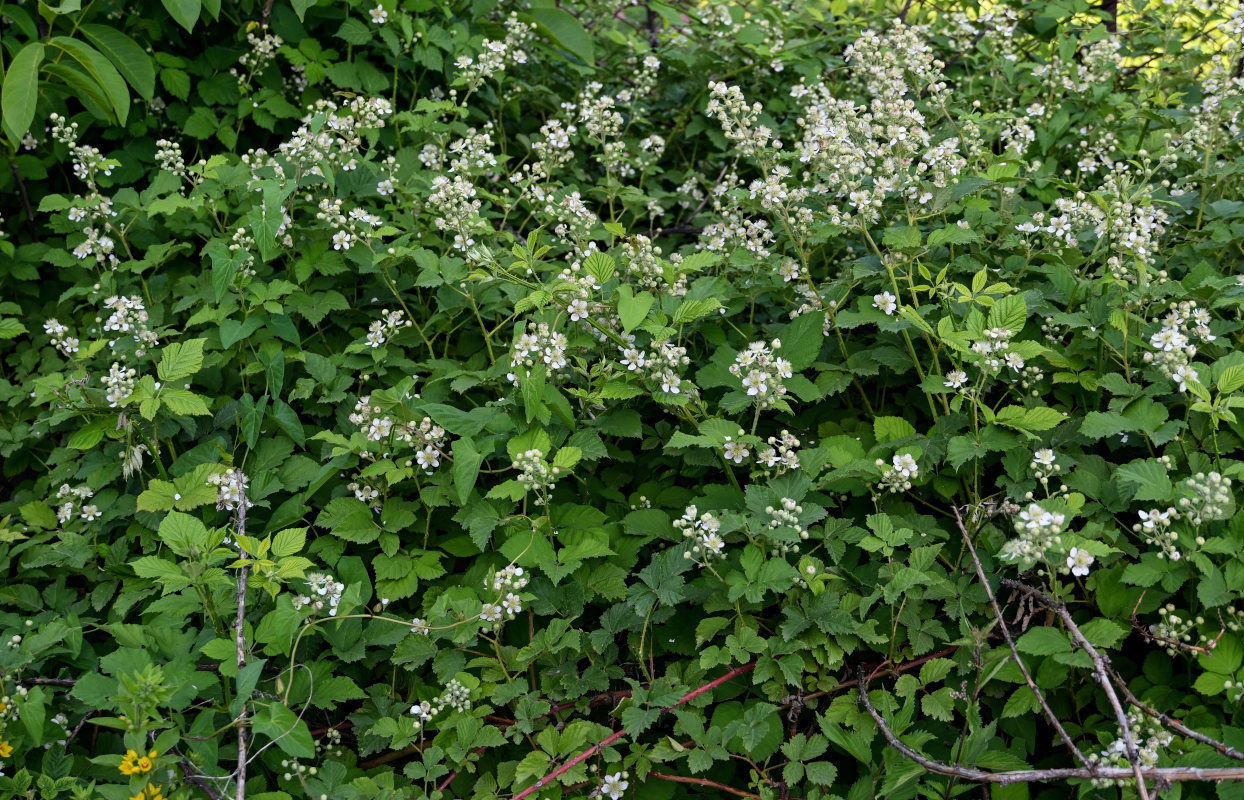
x=102 y=70
x=354 y=31
x=349 y=519
x=892 y=429
x=633 y=308
x=186 y=12
x=802 y=339
x=1147 y=478
x=467 y=460
x=1043 y=641
x=1030 y=419
x=276 y=722
x=289 y=541
x=127 y=55
x=20 y=92
x=180 y=360
x=564 y=30
x=1010 y=312
x=185 y=403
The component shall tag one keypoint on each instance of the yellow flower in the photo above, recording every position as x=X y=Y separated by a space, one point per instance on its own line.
x=6 y=749
x=133 y=764
x=149 y=793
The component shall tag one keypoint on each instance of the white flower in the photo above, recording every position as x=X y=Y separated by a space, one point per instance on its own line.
x=1079 y=561
x=956 y=379
x=578 y=310
x=379 y=15
x=633 y=359
x=613 y=786
x=1183 y=375
x=755 y=383
x=886 y=302
x=906 y=466
x=736 y=452
x=385 y=187
x=341 y=240
x=1044 y=458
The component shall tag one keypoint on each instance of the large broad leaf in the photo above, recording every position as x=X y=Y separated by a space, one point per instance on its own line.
x=20 y=93
x=126 y=54
x=565 y=30
x=102 y=70
x=186 y=12
x=88 y=91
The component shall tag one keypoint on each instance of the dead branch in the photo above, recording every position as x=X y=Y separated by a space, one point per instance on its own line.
x=1006 y=633
x=1171 y=774
x=1172 y=723
x=688 y=697
x=1099 y=672
x=239 y=629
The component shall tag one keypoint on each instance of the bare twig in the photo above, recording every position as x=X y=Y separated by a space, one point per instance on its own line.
x=1172 y=723
x=1170 y=774
x=703 y=782
x=1099 y=672
x=21 y=189
x=588 y=753
x=1006 y=633
x=239 y=630
x=49 y=681
x=195 y=778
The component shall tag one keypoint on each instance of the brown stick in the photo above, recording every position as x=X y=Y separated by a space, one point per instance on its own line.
x=1171 y=774
x=21 y=188
x=1099 y=664
x=1172 y=723
x=239 y=630
x=997 y=612
x=688 y=697
x=703 y=782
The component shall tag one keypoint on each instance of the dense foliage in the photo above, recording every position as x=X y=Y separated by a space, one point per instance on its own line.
x=477 y=399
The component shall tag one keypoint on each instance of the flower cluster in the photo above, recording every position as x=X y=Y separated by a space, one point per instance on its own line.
x=68 y=345
x=1174 y=342
x=1038 y=531
x=118 y=384
x=786 y=516
x=1044 y=465
x=497 y=55
x=1149 y=738
x=659 y=364
x=263 y=48
x=537 y=345
x=135 y=764
x=781 y=453
x=762 y=372
x=536 y=474
x=70 y=504
x=129 y=315
x=704 y=531
x=366 y=493
x=1210 y=498
x=230 y=489
x=1155 y=526
x=456 y=696
x=897 y=477
x=322 y=590
x=390 y=322
x=508 y=582
x=994 y=352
